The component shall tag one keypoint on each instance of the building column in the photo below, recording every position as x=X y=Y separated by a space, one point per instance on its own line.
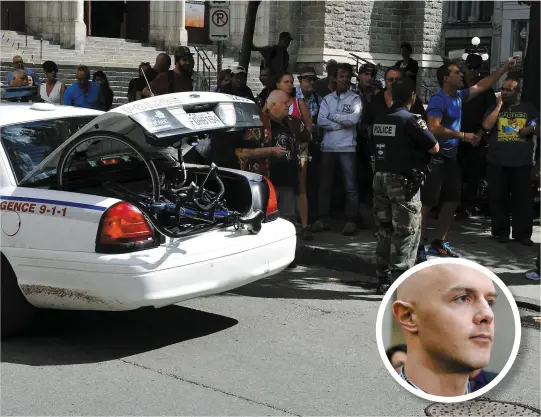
x=73 y=28
x=158 y=23
x=182 y=32
x=80 y=25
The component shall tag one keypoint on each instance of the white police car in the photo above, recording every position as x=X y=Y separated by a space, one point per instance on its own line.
x=100 y=212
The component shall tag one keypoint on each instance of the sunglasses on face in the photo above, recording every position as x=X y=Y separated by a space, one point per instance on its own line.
x=391 y=80
x=471 y=68
x=507 y=90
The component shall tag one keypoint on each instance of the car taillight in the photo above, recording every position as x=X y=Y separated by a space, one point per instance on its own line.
x=272 y=203
x=123 y=228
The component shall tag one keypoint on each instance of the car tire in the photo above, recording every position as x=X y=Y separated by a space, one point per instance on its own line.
x=17 y=312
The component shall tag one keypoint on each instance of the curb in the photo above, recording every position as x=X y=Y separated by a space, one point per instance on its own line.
x=335 y=260
x=528 y=303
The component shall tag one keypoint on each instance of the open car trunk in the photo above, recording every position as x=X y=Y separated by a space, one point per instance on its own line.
x=136 y=154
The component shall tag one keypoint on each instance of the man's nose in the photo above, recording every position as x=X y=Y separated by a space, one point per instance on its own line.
x=485 y=314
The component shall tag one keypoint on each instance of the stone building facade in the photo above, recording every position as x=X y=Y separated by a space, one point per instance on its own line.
x=322 y=30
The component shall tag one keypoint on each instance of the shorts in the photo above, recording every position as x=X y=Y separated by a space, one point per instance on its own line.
x=287 y=199
x=443 y=184
x=304 y=155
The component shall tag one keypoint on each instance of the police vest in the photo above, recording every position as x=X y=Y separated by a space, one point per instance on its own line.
x=387 y=132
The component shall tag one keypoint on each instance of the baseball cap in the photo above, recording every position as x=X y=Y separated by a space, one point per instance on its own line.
x=238 y=70
x=182 y=51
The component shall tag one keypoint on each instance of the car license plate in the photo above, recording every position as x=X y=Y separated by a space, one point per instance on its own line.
x=206 y=120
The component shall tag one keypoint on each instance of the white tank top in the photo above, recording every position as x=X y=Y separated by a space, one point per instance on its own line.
x=54 y=97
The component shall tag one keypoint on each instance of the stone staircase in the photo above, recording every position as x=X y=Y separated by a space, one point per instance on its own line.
x=118 y=58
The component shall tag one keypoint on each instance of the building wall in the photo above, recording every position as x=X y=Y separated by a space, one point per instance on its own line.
x=61 y=22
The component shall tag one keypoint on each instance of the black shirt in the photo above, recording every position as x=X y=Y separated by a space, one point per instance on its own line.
x=140 y=84
x=401 y=142
x=283 y=171
x=505 y=146
x=474 y=110
x=244 y=92
x=413 y=67
x=378 y=107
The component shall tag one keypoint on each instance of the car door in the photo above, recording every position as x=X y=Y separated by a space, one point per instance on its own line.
x=42 y=218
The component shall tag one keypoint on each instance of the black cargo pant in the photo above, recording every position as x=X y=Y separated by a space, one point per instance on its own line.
x=510 y=195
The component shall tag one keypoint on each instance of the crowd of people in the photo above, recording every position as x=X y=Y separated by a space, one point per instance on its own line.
x=90 y=91
x=315 y=128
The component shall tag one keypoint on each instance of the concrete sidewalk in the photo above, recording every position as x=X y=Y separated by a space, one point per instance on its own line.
x=471 y=238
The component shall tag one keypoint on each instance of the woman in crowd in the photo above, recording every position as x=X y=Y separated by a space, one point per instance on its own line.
x=299 y=109
x=224 y=78
x=52 y=90
x=106 y=92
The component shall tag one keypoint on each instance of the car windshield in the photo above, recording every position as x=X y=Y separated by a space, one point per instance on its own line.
x=28 y=144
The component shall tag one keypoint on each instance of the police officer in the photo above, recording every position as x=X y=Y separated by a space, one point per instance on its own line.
x=402 y=145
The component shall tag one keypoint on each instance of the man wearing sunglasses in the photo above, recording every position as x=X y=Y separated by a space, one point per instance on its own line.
x=470 y=157
x=84 y=93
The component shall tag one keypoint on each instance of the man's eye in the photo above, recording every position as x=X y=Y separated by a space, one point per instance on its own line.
x=491 y=303
x=462 y=298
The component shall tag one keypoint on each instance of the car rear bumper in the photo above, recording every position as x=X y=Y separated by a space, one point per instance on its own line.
x=205 y=265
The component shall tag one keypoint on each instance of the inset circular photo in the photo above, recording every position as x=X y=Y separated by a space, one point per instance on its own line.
x=448 y=330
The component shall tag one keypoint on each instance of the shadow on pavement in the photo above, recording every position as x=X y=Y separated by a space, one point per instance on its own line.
x=305 y=283
x=471 y=239
x=77 y=337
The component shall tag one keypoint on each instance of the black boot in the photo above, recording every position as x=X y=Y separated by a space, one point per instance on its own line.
x=383 y=285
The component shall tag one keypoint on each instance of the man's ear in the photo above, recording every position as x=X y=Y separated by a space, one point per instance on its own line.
x=405 y=316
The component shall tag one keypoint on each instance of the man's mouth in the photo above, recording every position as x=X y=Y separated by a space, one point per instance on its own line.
x=482 y=338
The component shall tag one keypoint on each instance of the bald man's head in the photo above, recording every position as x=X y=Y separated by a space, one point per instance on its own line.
x=277 y=104
x=446 y=314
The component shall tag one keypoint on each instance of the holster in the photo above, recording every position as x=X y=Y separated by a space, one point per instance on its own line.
x=413 y=181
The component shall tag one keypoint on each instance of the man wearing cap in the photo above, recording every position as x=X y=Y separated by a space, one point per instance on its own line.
x=177 y=80
x=470 y=157
x=238 y=87
x=276 y=57
x=307 y=79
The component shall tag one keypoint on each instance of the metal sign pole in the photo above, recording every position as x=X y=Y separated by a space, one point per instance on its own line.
x=220 y=56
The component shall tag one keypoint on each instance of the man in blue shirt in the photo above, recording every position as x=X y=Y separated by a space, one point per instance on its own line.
x=84 y=93
x=444 y=121
x=18 y=64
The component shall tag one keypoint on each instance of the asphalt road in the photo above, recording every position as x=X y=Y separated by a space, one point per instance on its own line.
x=301 y=343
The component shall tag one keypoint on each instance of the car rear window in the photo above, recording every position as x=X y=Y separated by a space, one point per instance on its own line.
x=28 y=144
